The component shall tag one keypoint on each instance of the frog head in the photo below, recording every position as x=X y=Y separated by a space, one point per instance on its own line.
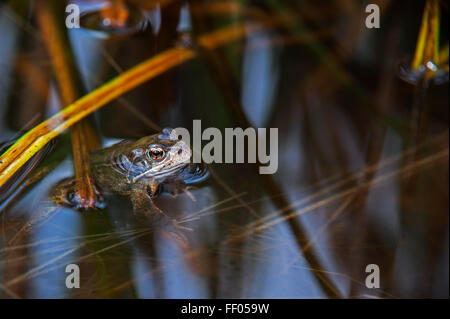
x=161 y=157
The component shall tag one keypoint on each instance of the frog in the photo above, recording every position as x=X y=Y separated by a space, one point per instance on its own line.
x=140 y=170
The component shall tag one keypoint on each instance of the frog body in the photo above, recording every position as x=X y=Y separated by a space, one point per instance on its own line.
x=141 y=170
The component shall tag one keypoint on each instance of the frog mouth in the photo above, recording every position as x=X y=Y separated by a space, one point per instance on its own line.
x=194 y=173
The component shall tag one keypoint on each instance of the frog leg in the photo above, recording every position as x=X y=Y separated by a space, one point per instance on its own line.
x=175 y=188
x=143 y=203
x=153 y=188
x=64 y=193
x=187 y=191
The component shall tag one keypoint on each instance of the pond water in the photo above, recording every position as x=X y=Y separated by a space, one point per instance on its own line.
x=362 y=173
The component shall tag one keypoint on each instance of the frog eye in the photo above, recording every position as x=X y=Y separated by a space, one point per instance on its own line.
x=156 y=153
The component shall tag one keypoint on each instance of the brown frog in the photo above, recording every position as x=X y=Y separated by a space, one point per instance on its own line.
x=140 y=169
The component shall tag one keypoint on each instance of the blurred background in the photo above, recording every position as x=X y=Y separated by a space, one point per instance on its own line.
x=363 y=151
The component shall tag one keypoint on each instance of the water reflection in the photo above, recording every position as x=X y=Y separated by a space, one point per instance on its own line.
x=353 y=186
x=438 y=75
x=109 y=18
